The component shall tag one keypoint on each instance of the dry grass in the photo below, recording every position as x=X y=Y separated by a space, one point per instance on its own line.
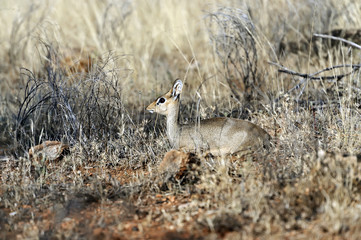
x=83 y=72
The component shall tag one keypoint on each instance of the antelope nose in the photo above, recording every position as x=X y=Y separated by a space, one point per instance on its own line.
x=151 y=110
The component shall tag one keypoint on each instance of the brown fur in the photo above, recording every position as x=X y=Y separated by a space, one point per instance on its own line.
x=219 y=136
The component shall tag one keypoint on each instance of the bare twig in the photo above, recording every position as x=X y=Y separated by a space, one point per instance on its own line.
x=338 y=39
x=355 y=67
x=305 y=77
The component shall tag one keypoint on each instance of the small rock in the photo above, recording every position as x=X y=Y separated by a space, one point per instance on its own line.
x=178 y=164
x=97 y=231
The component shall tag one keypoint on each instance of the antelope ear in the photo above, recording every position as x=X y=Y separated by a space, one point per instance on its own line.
x=177 y=88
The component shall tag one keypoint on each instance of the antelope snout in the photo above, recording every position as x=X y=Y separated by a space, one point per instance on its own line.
x=150 y=109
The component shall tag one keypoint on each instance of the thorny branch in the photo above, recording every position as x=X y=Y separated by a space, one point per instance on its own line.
x=355 y=67
x=306 y=77
x=312 y=76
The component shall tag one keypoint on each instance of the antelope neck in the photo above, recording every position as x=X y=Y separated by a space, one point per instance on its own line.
x=173 y=125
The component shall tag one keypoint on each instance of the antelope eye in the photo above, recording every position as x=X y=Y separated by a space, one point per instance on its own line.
x=161 y=100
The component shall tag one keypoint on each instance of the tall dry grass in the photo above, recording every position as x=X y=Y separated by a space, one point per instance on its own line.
x=161 y=40
x=83 y=72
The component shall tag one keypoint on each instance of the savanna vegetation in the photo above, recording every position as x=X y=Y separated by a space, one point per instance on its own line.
x=83 y=72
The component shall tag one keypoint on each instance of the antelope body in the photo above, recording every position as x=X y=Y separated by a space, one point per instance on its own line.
x=219 y=136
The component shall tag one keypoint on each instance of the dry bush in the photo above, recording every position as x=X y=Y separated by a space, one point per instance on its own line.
x=55 y=106
x=235 y=42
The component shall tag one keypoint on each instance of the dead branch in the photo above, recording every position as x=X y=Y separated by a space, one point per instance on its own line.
x=312 y=76
x=338 y=39
x=306 y=77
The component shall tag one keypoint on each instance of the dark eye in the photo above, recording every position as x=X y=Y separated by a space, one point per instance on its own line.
x=161 y=100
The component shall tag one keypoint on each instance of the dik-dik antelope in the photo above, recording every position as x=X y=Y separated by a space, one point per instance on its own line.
x=218 y=136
